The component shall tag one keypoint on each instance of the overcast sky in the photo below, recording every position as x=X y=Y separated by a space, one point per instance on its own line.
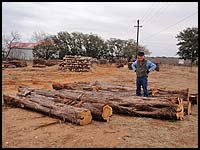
x=161 y=21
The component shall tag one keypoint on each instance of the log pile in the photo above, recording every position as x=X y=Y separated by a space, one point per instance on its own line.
x=75 y=64
x=129 y=92
x=162 y=108
x=14 y=64
x=41 y=104
x=80 y=102
x=41 y=63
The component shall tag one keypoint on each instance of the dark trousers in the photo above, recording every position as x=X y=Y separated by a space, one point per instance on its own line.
x=142 y=81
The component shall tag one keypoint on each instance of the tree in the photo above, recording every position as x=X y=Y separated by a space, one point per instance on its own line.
x=94 y=46
x=45 y=47
x=124 y=48
x=62 y=41
x=7 y=43
x=188 y=44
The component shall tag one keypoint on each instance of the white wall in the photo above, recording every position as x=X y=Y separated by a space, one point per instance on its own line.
x=21 y=54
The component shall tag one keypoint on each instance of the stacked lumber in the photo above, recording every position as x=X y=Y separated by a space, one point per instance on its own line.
x=75 y=64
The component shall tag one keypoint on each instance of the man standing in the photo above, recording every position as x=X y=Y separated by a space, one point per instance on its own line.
x=142 y=67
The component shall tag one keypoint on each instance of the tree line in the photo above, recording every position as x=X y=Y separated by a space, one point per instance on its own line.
x=90 y=45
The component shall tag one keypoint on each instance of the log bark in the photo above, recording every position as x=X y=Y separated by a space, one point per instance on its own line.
x=97 y=86
x=39 y=66
x=162 y=107
x=18 y=63
x=120 y=89
x=99 y=111
x=79 y=116
x=184 y=94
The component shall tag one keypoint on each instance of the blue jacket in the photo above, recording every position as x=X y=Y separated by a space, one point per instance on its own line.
x=150 y=65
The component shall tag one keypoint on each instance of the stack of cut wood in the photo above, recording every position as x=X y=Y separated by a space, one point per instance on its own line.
x=75 y=64
x=14 y=64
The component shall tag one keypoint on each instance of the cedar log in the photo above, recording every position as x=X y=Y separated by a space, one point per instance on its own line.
x=162 y=107
x=79 y=116
x=99 y=111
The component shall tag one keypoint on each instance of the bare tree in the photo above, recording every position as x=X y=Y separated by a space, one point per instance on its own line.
x=8 y=41
x=39 y=36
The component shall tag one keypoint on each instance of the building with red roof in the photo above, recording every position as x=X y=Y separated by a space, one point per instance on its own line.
x=23 y=50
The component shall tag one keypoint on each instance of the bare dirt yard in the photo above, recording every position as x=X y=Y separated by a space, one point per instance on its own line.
x=22 y=128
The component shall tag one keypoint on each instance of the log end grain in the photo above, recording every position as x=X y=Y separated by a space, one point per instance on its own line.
x=57 y=86
x=180 y=109
x=107 y=112
x=86 y=118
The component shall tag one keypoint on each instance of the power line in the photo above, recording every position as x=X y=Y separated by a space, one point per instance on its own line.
x=161 y=10
x=147 y=12
x=155 y=13
x=152 y=12
x=149 y=37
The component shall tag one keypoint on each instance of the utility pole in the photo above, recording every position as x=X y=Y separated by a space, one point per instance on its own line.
x=137 y=37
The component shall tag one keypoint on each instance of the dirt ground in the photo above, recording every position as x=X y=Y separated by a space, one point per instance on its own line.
x=22 y=128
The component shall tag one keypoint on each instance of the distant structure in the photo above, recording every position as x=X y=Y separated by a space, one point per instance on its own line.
x=22 y=50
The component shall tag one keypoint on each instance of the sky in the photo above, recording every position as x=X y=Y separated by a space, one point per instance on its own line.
x=160 y=21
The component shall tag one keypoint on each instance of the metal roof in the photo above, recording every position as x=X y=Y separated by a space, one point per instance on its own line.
x=23 y=45
x=29 y=45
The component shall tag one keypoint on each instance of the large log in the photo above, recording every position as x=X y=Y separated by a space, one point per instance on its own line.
x=162 y=107
x=120 y=89
x=96 y=86
x=18 y=63
x=99 y=111
x=39 y=103
x=184 y=94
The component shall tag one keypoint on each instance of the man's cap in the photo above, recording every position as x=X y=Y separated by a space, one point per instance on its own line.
x=141 y=54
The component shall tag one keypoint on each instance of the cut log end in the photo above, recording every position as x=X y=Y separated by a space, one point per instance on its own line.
x=153 y=91
x=86 y=118
x=57 y=86
x=180 y=109
x=107 y=112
